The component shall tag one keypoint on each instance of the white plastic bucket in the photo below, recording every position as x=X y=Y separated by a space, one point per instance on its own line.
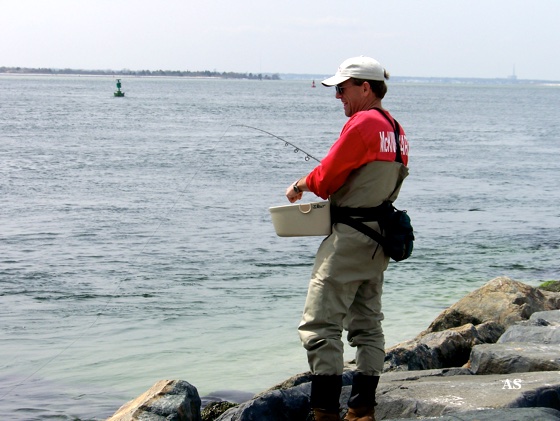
x=300 y=220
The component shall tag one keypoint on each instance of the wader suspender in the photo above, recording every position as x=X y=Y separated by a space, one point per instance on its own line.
x=355 y=216
x=397 y=131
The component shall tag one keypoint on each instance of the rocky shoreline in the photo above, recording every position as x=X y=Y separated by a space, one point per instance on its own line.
x=493 y=355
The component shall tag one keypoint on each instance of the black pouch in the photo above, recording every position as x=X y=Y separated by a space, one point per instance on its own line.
x=398 y=241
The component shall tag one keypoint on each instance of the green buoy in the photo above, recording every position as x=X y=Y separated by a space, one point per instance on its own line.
x=118 y=92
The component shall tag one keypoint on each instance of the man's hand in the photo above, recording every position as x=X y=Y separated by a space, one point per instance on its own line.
x=292 y=195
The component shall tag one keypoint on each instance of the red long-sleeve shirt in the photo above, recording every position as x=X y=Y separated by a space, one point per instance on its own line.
x=367 y=136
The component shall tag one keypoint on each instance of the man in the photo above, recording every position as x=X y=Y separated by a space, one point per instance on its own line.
x=359 y=171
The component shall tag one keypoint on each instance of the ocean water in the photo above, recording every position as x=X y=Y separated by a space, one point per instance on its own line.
x=136 y=243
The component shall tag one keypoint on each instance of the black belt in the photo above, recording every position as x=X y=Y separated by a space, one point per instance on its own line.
x=355 y=217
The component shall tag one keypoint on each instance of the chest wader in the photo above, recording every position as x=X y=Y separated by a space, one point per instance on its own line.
x=326 y=390
x=361 y=405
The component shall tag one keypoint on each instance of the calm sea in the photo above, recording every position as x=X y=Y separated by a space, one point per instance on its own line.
x=136 y=243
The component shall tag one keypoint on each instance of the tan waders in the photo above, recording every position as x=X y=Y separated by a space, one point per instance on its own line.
x=345 y=293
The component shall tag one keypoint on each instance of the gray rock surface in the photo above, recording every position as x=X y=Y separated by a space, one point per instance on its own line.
x=542 y=327
x=525 y=414
x=440 y=392
x=514 y=357
x=543 y=334
x=551 y=317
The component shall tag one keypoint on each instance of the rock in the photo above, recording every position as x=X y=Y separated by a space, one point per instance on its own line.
x=552 y=317
x=233 y=396
x=218 y=402
x=303 y=378
x=526 y=346
x=214 y=409
x=286 y=404
x=514 y=357
x=444 y=392
x=552 y=286
x=502 y=300
x=166 y=400
x=291 y=382
x=552 y=298
x=450 y=348
x=506 y=414
x=536 y=334
x=288 y=400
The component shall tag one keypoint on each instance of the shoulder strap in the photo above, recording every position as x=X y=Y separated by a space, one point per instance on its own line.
x=397 y=131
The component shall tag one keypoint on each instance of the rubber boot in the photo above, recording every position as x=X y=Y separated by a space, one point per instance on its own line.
x=325 y=397
x=361 y=405
x=321 y=415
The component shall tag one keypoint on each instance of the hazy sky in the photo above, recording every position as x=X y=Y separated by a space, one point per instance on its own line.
x=452 y=38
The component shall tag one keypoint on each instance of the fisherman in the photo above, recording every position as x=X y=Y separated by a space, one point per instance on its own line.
x=359 y=171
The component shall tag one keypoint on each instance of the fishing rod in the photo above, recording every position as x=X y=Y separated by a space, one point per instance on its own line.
x=308 y=156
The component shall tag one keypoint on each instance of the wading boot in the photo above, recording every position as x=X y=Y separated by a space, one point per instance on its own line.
x=325 y=397
x=361 y=405
x=321 y=415
x=360 y=414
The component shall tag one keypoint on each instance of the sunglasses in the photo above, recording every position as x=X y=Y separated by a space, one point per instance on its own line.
x=339 y=89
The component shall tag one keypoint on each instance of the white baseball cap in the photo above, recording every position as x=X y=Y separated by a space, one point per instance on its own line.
x=357 y=67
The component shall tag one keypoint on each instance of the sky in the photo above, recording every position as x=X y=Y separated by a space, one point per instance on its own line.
x=423 y=38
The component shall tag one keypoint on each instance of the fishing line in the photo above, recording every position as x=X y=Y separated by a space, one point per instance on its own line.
x=297 y=149
x=182 y=191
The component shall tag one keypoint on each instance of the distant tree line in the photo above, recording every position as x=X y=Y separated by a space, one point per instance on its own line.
x=126 y=72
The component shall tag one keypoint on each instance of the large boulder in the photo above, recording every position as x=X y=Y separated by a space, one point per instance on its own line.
x=166 y=400
x=288 y=404
x=433 y=393
x=532 y=345
x=514 y=357
x=450 y=348
x=502 y=300
x=542 y=327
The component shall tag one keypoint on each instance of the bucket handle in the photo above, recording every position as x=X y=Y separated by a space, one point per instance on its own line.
x=305 y=208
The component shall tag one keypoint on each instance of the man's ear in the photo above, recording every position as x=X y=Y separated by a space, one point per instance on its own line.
x=366 y=89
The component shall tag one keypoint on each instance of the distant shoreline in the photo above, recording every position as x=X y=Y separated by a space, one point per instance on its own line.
x=143 y=73
x=26 y=71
